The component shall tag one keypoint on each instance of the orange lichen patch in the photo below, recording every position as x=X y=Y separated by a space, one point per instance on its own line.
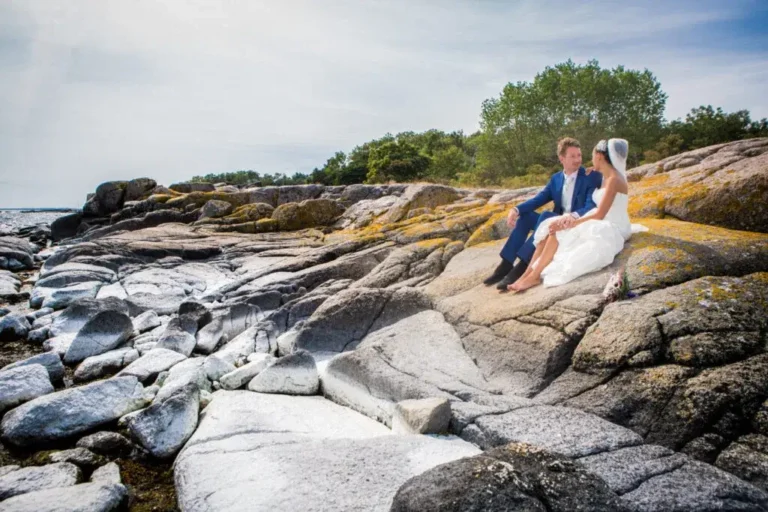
x=259 y=226
x=690 y=232
x=200 y=198
x=488 y=231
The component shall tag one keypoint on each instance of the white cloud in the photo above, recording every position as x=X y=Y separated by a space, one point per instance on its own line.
x=92 y=90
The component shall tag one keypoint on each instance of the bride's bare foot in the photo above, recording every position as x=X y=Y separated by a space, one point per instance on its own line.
x=523 y=284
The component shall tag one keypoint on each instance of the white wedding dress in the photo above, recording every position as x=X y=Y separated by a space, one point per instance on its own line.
x=590 y=246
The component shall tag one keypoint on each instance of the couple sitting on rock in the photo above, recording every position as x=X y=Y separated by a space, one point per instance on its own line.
x=585 y=230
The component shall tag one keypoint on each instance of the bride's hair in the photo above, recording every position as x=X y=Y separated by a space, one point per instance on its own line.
x=602 y=148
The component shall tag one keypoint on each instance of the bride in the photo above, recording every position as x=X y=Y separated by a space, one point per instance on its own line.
x=593 y=241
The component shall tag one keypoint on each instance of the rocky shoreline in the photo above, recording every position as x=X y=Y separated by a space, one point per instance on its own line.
x=287 y=348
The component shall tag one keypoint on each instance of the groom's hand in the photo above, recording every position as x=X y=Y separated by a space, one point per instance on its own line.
x=512 y=218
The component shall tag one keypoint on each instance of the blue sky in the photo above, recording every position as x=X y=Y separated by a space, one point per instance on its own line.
x=94 y=90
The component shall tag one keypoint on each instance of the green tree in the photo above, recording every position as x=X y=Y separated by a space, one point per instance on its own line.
x=397 y=161
x=522 y=126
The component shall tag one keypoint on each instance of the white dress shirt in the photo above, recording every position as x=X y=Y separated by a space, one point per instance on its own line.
x=569 y=185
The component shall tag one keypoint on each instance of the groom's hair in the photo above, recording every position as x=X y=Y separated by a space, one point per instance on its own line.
x=564 y=144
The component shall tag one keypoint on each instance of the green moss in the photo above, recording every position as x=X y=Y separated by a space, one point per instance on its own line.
x=152 y=485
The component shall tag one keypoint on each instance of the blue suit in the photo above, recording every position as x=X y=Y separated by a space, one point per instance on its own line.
x=520 y=241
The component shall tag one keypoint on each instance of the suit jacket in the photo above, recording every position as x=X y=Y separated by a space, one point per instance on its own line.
x=582 y=194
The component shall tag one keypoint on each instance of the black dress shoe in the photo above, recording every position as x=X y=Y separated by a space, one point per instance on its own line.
x=512 y=276
x=498 y=274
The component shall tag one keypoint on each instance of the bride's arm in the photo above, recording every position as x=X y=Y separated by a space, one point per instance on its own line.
x=606 y=202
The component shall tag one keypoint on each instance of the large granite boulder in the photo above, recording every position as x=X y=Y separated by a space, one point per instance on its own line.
x=512 y=477
x=67 y=413
x=725 y=185
x=307 y=214
x=420 y=196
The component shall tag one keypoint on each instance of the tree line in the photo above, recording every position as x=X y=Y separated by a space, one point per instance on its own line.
x=519 y=129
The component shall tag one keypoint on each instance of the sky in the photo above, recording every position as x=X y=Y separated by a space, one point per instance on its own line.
x=99 y=90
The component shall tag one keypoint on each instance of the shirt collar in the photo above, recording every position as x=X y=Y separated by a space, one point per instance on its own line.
x=570 y=177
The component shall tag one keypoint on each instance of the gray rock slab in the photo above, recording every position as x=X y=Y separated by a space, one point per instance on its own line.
x=72 y=319
x=239 y=348
x=239 y=377
x=36 y=478
x=268 y=437
x=624 y=470
x=14 y=326
x=294 y=374
x=424 y=416
x=190 y=371
x=152 y=363
x=102 y=333
x=60 y=298
x=107 y=474
x=215 y=367
x=79 y=456
x=146 y=321
x=563 y=430
x=164 y=427
x=22 y=384
x=695 y=487
x=72 y=411
x=107 y=443
x=105 y=364
x=92 y=497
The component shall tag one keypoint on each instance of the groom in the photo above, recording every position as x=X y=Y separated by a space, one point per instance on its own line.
x=570 y=190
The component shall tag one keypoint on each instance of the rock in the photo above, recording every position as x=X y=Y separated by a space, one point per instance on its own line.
x=107 y=474
x=230 y=325
x=36 y=478
x=51 y=362
x=307 y=214
x=241 y=376
x=152 y=363
x=63 y=275
x=186 y=188
x=730 y=179
x=82 y=457
x=190 y=371
x=298 y=193
x=266 y=438
x=94 y=497
x=425 y=416
x=146 y=321
x=38 y=336
x=109 y=444
x=60 y=298
x=561 y=430
x=4 y=470
x=22 y=384
x=215 y=367
x=177 y=338
x=747 y=459
x=104 y=332
x=67 y=413
x=706 y=489
x=215 y=209
x=80 y=312
x=65 y=226
x=294 y=374
x=15 y=254
x=512 y=477
x=139 y=188
x=235 y=351
x=14 y=327
x=165 y=426
x=109 y=363
x=420 y=196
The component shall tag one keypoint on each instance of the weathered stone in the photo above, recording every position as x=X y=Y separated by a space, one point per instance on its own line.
x=239 y=377
x=67 y=413
x=512 y=477
x=102 y=333
x=80 y=456
x=294 y=374
x=164 y=427
x=146 y=321
x=51 y=361
x=107 y=444
x=14 y=327
x=109 y=363
x=152 y=363
x=214 y=209
x=36 y=478
x=190 y=371
x=22 y=384
x=138 y=188
x=107 y=474
x=307 y=214
x=91 y=497
x=424 y=416
x=215 y=367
